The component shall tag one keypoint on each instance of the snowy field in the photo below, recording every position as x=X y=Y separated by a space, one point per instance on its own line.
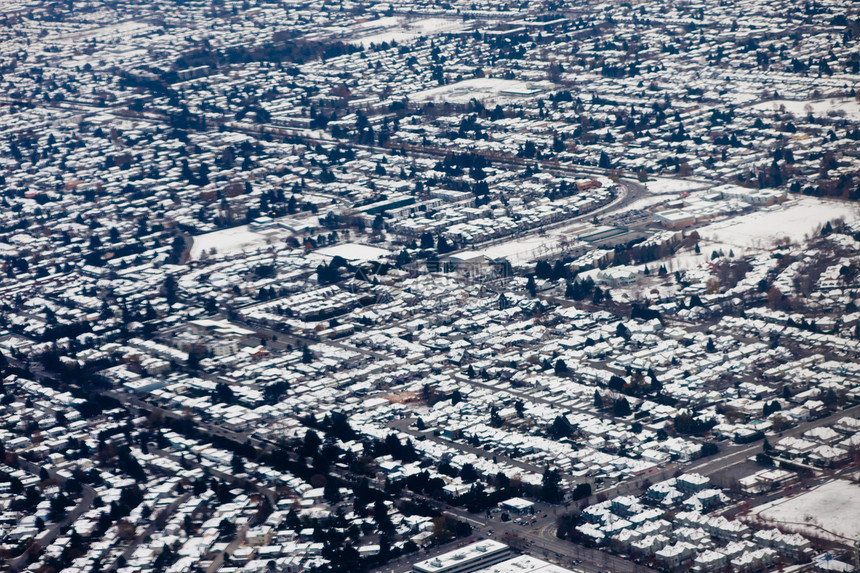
x=839 y=107
x=737 y=97
x=230 y=241
x=354 y=252
x=645 y=203
x=665 y=185
x=550 y=244
x=749 y=234
x=128 y=29
x=522 y=251
x=795 y=220
x=401 y=30
x=482 y=89
x=834 y=506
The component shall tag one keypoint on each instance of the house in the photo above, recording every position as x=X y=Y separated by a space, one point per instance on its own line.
x=828 y=456
x=691 y=483
x=765 y=480
x=710 y=561
x=794 y=447
x=649 y=545
x=822 y=435
x=672 y=556
x=756 y=560
x=793 y=545
x=847 y=425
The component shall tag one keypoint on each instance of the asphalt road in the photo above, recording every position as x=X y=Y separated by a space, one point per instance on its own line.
x=734 y=454
x=152 y=527
x=540 y=540
x=45 y=538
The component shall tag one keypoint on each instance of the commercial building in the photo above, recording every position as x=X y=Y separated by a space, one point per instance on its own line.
x=472 y=557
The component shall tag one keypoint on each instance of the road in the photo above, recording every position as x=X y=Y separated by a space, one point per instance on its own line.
x=563 y=552
x=45 y=538
x=231 y=547
x=735 y=454
x=540 y=540
x=152 y=527
x=404 y=425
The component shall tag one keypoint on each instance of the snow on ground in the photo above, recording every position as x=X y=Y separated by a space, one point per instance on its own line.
x=737 y=97
x=521 y=251
x=386 y=22
x=549 y=244
x=229 y=241
x=355 y=252
x=833 y=507
x=690 y=259
x=662 y=185
x=839 y=107
x=400 y=29
x=397 y=35
x=436 y=25
x=644 y=203
x=794 y=220
x=482 y=89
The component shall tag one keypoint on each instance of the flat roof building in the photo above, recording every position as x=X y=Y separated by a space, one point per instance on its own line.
x=524 y=564
x=518 y=505
x=472 y=557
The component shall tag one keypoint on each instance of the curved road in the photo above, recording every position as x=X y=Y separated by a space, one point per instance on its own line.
x=45 y=538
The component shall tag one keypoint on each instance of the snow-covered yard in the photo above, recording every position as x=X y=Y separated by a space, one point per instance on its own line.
x=848 y=108
x=793 y=220
x=232 y=240
x=665 y=185
x=400 y=29
x=834 y=507
x=522 y=251
x=486 y=90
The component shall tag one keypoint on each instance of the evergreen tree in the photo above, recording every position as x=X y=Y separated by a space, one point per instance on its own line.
x=604 y=162
x=237 y=464
x=550 y=486
x=621 y=407
x=531 y=286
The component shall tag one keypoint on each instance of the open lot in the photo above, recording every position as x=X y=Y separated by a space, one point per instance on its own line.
x=834 y=107
x=793 y=220
x=233 y=240
x=832 y=508
x=486 y=90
